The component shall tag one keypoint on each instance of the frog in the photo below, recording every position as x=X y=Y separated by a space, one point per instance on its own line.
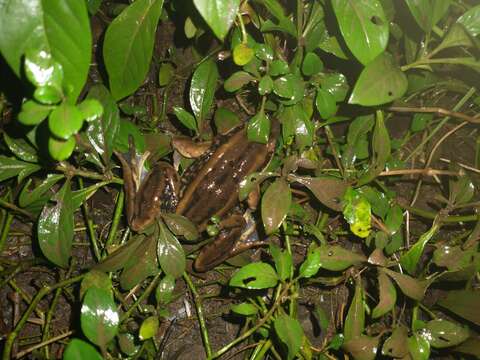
x=211 y=193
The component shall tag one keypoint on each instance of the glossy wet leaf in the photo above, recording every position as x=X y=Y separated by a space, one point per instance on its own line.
x=258 y=128
x=250 y=182
x=418 y=347
x=364 y=27
x=311 y=264
x=411 y=258
x=82 y=195
x=237 y=80
x=225 y=120
x=296 y=124
x=91 y=109
x=164 y=291
x=461 y=190
x=181 y=226
x=126 y=342
x=456 y=36
x=202 y=90
x=99 y=317
x=256 y=275
x=120 y=256
x=312 y=64
x=242 y=54
x=337 y=85
x=275 y=205
x=65 y=120
x=265 y=85
x=12 y=167
x=61 y=149
x=218 y=14
x=443 y=333
x=355 y=320
x=33 y=113
x=387 y=296
x=396 y=345
x=290 y=87
x=428 y=12
x=55 y=228
x=411 y=287
x=149 y=328
x=245 y=309
x=67 y=28
x=381 y=147
x=380 y=82
x=21 y=148
x=170 y=253
x=187 y=119
x=102 y=133
x=283 y=261
x=463 y=303
x=326 y=104
x=471 y=346
x=471 y=20
x=35 y=199
x=166 y=74
x=362 y=347
x=336 y=258
x=97 y=279
x=290 y=332
x=357 y=212
x=278 y=67
x=128 y=46
x=327 y=189
x=282 y=22
x=357 y=143
x=78 y=350
x=142 y=264
x=394 y=219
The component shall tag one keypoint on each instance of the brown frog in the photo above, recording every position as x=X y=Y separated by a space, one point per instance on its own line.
x=212 y=192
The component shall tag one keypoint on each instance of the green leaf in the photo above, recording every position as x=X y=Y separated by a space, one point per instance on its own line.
x=245 y=309
x=396 y=345
x=142 y=264
x=218 y=14
x=355 y=320
x=290 y=87
x=97 y=279
x=357 y=143
x=91 y=109
x=463 y=303
x=443 y=333
x=35 y=200
x=411 y=287
x=21 y=148
x=185 y=118
x=225 y=120
x=471 y=20
x=290 y=332
x=265 y=85
x=170 y=253
x=99 y=317
x=149 y=328
x=278 y=67
x=283 y=23
x=394 y=219
x=387 y=296
x=164 y=291
x=237 y=80
x=337 y=85
x=202 y=90
x=456 y=36
x=420 y=122
x=312 y=64
x=59 y=149
x=181 y=226
x=380 y=82
x=275 y=205
x=128 y=46
x=283 y=262
x=336 y=258
x=258 y=128
x=362 y=347
x=357 y=212
x=296 y=123
x=165 y=74
x=461 y=190
x=120 y=256
x=127 y=344
x=256 y=275
x=419 y=347
x=428 y=12
x=18 y=36
x=250 y=182
x=102 y=134
x=33 y=113
x=45 y=74
x=12 y=167
x=67 y=27
x=411 y=258
x=126 y=129
x=364 y=27
x=327 y=189
x=65 y=120
x=311 y=265
x=326 y=104
x=55 y=228
x=242 y=54
x=78 y=350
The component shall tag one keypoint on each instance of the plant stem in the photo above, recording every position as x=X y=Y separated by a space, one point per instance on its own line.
x=5 y=230
x=116 y=218
x=10 y=206
x=431 y=215
x=90 y=225
x=144 y=295
x=7 y=350
x=201 y=319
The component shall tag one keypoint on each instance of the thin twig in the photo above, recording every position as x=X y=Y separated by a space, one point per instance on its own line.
x=13 y=207
x=436 y=110
x=43 y=343
x=466 y=167
x=426 y=172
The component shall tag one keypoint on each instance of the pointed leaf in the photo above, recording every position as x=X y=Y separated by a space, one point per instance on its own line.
x=471 y=20
x=328 y=190
x=428 y=12
x=257 y=275
x=336 y=258
x=311 y=264
x=258 y=128
x=387 y=296
x=463 y=303
x=418 y=347
x=396 y=345
x=237 y=80
x=202 y=90
x=362 y=347
x=443 y=333
x=245 y=309
x=275 y=205
x=35 y=199
x=12 y=167
x=170 y=253
x=290 y=332
x=250 y=182
x=164 y=291
x=128 y=46
x=283 y=262
x=181 y=226
x=411 y=287
x=411 y=258
x=21 y=149
x=119 y=258
x=355 y=320
x=149 y=328
x=78 y=350
x=218 y=14
x=97 y=279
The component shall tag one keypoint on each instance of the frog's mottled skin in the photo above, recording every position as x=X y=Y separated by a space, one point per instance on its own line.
x=213 y=191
